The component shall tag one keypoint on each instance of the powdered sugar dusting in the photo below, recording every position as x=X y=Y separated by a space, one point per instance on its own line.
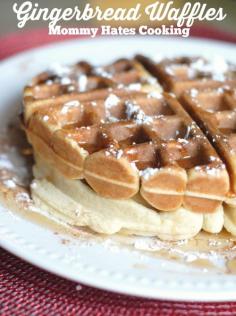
x=82 y=81
x=23 y=197
x=193 y=93
x=111 y=119
x=216 y=67
x=117 y=153
x=65 y=80
x=134 y=112
x=68 y=105
x=135 y=86
x=155 y=94
x=148 y=172
x=9 y=183
x=5 y=162
x=45 y=118
x=133 y=166
x=200 y=253
x=111 y=100
x=100 y=71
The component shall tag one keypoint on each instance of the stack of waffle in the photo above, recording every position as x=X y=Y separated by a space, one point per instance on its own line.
x=115 y=132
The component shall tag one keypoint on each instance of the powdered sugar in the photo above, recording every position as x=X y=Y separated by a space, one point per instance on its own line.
x=100 y=71
x=193 y=93
x=148 y=172
x=33 y=185
x=133 y=166
x=111 y=100
x=189 y=252
x=211 y=170
x=155 y=94
x=49 y=82
x=78 y=212
x=135 y=86
x=169 y=70
x=5 y=162
x=82 y=81
x=71 y=88
x=45 y=118
x=68 y=105
x=214 y=243
x=216 y=67
x=65 y=80
x=9 y=183
x=111 y=119
x=134 y=112
x=23 y=197
x=214 y=158
x=151 y=80
x=117 y=153
x=182 y=141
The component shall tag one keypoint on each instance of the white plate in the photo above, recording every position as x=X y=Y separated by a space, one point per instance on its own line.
x=99 y=264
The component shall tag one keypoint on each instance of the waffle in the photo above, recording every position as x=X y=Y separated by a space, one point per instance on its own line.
x=167 y=154
x=62 y=84
x=115 y=153
x=178 y=75
x=214 y=111
x=51 y=104
x=124 y=138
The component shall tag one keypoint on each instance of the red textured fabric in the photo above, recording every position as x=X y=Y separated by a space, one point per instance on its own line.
x=28 y=291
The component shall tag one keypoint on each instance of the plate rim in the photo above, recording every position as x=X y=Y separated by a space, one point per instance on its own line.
x=171 y=295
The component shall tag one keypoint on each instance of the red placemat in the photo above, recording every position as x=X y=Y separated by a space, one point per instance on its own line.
x=26 y=290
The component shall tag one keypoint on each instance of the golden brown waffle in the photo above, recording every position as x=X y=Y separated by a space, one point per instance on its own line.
x=122 y=141
x=112 y=127
x=62 y=90
x=62 y=84
x=165 y=150
x=56 y=123
x=178 y=75
x=214 y=111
